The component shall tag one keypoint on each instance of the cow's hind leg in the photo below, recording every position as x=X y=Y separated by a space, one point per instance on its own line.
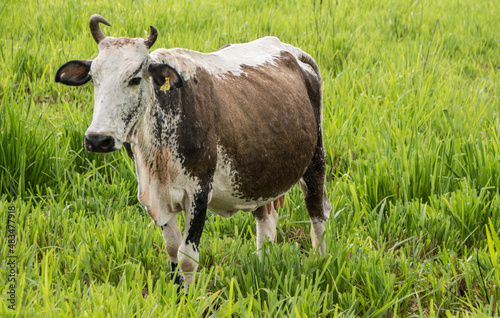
x=317 y=204
x=266 y=219
x=173 y=239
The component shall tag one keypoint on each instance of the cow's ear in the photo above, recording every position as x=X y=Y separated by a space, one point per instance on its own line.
x=74 y=73
x=162 y=72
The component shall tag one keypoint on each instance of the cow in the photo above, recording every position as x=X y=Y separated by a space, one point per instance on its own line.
x=229 y=130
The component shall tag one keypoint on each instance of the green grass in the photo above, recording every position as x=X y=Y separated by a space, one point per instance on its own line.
x=412 y=133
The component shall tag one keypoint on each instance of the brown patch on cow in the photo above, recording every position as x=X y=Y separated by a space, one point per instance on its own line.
x=172 y=251
x=267 y=125
x=163 y=167
x=197 y=135
x=188 y=265
x=120 y=42
x=124 y=43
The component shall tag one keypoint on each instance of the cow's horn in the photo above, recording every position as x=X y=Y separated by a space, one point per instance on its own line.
x=95 y=29
x=151 y=38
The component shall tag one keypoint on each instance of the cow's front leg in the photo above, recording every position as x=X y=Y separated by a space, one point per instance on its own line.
x=195 y=221
x=173 y=239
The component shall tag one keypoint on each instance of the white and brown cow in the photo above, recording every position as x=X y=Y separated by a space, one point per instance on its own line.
x=230 y=130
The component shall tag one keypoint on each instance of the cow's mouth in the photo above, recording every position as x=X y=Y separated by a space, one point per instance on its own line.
x=101 y=143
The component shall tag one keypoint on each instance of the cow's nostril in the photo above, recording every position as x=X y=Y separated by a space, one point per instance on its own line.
x=107 y=143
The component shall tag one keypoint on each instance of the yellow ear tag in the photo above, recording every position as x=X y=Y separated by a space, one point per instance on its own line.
x=166 y=86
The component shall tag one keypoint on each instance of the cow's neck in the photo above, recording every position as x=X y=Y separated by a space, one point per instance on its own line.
x=156 y=159
x=155 y=139
x=156 y=129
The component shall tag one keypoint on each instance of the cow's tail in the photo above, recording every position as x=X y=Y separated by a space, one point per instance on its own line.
x=313 y=181
x=307 y=59
x=313 y=77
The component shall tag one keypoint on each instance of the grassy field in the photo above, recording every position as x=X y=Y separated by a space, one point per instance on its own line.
x=412 y=132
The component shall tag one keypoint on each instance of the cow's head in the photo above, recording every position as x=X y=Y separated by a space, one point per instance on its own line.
x=123 y=76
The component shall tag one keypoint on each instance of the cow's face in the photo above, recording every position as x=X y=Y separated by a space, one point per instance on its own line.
x=119 y=75
x=123 y=76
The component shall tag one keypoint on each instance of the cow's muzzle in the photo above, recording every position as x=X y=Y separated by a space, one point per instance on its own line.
x=101 y=143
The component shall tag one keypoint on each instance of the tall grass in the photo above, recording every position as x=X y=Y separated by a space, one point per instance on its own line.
x=411 y=126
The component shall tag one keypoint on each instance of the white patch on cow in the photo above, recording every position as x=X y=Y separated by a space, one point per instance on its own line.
x=266 y=228
x=188 y=258
x=226 y=199
x=173 y=239
x=224 y=193
x=114 y=98
x=228 y=61
x=317 y=231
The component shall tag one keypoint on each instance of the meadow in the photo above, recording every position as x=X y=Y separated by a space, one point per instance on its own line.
x=412 y=133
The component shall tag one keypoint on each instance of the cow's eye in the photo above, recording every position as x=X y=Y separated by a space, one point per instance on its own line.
x=135 y=81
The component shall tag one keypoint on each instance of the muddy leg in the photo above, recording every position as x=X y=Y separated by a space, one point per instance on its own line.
x=317 y=204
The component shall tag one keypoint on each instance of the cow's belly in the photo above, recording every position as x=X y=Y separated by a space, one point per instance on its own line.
x=227 y=204
x=227 y=208
x=226 y=198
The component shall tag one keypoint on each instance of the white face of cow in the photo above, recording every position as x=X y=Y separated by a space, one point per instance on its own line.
x=122 y=75
x=122 y=89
